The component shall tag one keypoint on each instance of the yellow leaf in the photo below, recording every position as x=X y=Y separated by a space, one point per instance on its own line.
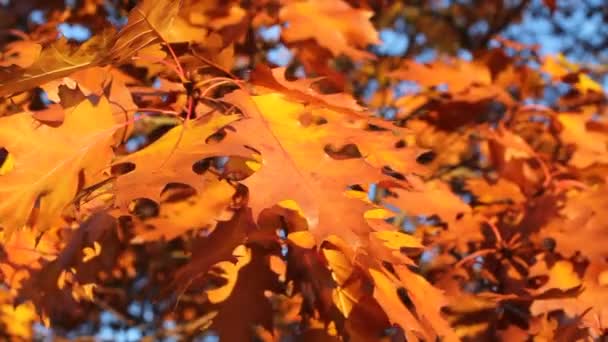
x=557 y=67
x=356 y=194
x=88 y=291
x=339 y=264
x=397 y=240
x=348 y=291
x=378 y=213
x=303 y=239
x=229 y=271
x=331 y=329
x=346 y=297
x=61 y=279
x=83 y=291
x=90 y=253
x=562 y=276
x=291 y=205
x=253 y=165
x=586 y=84
x=18 y=320
x=7 y=165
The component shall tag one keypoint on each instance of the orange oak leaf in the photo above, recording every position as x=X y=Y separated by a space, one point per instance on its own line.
x=170 y=160
x=217 y=247
x=589 y=305
x=296 y=167
x=428 y=301
x=149 y=23
x=48 y=161
x=55 y=61
x=200 y=211
x=583 y=219
x=497 y=192
x=457 y=75
x=21 y=53
x=385 y=292
x=94 y=81
x=247 y=291
x=70 y=270
x=338 y=27
x=26 y=252
x=591 y=146
x=301 y=89
x=348 y=289
x=428 y=199
x=155 y=159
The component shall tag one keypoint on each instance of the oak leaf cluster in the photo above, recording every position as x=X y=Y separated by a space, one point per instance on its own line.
x=165 y=174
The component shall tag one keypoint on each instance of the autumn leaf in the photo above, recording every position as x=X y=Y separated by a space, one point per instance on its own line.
x=254 y=278
x=162 y=162
x=458 y=75
x=346 y=294
x=385 y=292
x=302 y=239
x=227 y=236
x=586 y=84
x=148 y=23
x=338 y=26
x=501 y=191
x=589 y=150
x=90 y=253
x=428 y=301
x=18 y=319
x=273 y=171
x=397 y=240
x=55 y=61
x=54 y=158
x=41 y=285
x=423 y=199
x=301 y=89
x=21 y=53
x=558 y=66
x=314 y=180
x=200 y=211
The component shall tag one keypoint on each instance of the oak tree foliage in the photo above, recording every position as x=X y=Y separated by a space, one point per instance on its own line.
x=164 y=172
